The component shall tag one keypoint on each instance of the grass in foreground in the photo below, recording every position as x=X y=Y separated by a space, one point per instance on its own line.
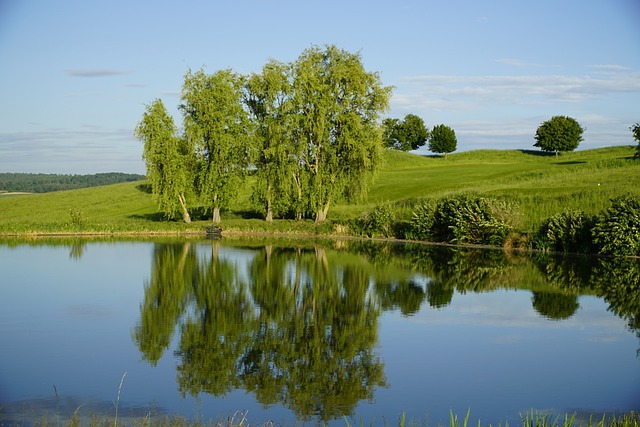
x=239 y=419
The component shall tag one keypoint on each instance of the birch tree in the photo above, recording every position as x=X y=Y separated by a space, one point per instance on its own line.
x=218 y=125
x=338 y=139
x=168 y=159
x=268 y=98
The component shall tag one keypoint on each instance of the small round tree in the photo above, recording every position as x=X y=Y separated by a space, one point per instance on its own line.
x=560 y=133
x=636 y=135
x=442 y=140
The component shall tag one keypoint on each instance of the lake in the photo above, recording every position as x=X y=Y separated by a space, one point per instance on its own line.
x=312 y=330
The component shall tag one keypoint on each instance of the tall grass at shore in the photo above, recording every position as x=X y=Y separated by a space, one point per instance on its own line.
x=240 y=419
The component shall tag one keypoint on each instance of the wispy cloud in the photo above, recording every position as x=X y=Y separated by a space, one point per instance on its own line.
x=95 y=72
x=518 y=63
x=455 y=92
x=608 y=67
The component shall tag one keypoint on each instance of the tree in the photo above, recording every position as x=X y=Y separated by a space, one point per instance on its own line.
x=442 y=139
x=168 y=158
x=268 y=97
x=338 y=140
x=636 y=135
x=408 y=134
x=560 y=133
x=218 y=125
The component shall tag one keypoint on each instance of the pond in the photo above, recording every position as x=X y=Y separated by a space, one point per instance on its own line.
x=313 y=330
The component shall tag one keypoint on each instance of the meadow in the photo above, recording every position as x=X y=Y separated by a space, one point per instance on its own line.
x=538 y=184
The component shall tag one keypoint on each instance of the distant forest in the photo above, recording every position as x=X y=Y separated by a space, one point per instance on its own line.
x=46 y=183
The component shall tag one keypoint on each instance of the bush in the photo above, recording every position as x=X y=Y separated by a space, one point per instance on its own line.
x=569 y=231
x=617 y=231
x=421 y=222
x=471 y=219
x=377 y=222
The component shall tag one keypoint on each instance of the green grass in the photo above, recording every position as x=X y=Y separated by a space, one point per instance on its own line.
x=539 y=185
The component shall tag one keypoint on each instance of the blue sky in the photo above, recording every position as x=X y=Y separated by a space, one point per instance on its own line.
x=76 y=75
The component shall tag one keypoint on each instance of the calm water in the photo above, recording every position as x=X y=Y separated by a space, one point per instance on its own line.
x=312 y=331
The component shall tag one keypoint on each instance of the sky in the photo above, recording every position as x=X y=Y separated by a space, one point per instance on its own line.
x=75 y=76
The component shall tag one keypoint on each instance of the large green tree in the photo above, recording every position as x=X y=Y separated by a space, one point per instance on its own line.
x=407 y=134
x=636 y=135
x=560 y=133
x=442 y=140
x=217 y=123
x=338 y=140
x=169 y=160
x=268 y=97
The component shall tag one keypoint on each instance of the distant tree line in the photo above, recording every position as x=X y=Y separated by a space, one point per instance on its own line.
x=46 y=183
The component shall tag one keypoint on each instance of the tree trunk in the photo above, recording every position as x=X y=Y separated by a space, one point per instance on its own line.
x=321 y=215
x=185 y=213
x=216 y=215
x=215 y=218
x=269 y=216
x=296 y=180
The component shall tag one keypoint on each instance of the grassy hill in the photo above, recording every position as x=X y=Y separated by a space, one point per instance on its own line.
x=540 y=185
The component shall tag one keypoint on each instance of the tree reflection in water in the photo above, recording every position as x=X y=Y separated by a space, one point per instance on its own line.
x=297 y=325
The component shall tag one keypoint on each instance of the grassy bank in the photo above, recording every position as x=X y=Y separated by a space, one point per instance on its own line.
x=239 y=419
x=539 y=185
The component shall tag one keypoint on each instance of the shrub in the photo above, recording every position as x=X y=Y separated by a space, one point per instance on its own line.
x=569 y=231
x=76 y=217
x=471 y=219
x=377 y=222
x=421 y=222
x=617 y=231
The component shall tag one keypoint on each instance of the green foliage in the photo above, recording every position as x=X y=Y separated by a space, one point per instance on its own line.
x=560 y=133
x=268 y=97
x=467 y=218
x=569 y=231
x=337 y=141
x=76 y=217
x=635 y=129
x=218 y=125
x=442 y=140
x=169 y=160
x=405 y=135
x=378 y=222
x=422 y=222
x=617 y=230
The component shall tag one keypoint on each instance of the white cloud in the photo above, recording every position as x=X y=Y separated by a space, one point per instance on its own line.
x=453 y=93
x=608 y=67
x=94 y=72
x=518 y=63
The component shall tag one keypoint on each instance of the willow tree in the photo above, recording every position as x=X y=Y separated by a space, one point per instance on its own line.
x=338 y=140
x=168 y=159
x=216 y=122
x=268 y=97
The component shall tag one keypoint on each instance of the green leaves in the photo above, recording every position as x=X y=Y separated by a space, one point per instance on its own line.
x=405 y=135
x=617 y=231
x=310 y=129
x=442 y=139
x=560 y=133
x=569 y=231
x=168 y=158
x=635 y=129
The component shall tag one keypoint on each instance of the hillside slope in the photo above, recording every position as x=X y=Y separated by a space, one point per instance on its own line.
x=540 y=185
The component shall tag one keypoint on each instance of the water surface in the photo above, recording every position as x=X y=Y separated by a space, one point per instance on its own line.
x=313 y=330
